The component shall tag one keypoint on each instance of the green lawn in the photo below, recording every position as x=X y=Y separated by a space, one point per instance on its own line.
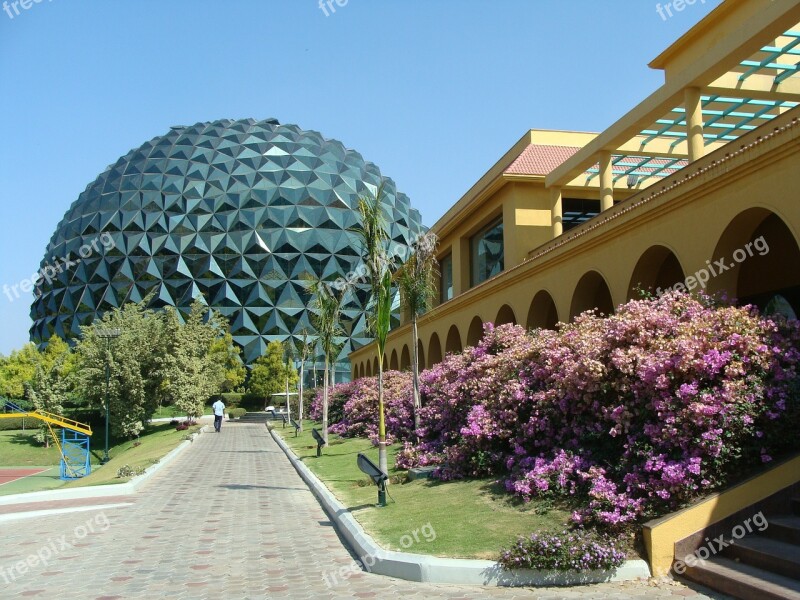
x=157 y=441
x=471 y=519
x=19 y=449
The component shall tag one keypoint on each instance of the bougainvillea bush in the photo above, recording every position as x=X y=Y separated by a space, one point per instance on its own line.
x=567 y=551
x=338 y=395
x=353 y=407
x=634 y=414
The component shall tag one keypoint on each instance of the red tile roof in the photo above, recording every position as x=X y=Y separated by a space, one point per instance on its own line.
x=540 y=159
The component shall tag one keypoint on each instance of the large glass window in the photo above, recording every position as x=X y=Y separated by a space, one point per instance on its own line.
x=446 y=283
x=486 y=253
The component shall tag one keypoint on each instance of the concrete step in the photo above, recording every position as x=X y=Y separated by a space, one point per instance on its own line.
x=796 y=506
x=784 y=528
x=768 y=554
x=742 y=580
x=254 y=417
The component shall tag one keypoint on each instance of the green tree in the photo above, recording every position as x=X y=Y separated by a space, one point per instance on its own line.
x=136 y=386
x=48 y=390
x=417 y=279
x=18 y=369
x=192 y=373
x=373 y=236
x=269 y=372
x=306 y=348
x=228 y=356
x=326 y=308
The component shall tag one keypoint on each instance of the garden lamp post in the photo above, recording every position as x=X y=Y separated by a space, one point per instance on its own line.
x=108 y=335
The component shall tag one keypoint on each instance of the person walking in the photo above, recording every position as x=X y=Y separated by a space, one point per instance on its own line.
x=219 y=411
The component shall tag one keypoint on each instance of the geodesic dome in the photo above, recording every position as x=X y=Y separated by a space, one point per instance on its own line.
x=239 y=212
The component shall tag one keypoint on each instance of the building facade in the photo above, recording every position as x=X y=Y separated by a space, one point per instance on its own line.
x=694 y=188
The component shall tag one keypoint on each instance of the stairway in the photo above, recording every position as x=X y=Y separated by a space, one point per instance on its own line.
x=254 y=417
x=764 y=565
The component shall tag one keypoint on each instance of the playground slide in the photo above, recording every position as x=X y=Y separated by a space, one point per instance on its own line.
x=74 y=444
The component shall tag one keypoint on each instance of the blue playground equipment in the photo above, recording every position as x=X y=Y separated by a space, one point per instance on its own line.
x=74 y=443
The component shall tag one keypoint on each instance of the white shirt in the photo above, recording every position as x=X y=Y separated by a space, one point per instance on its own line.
x=219 y=408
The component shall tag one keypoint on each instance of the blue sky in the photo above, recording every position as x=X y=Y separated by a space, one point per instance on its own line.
x=432 y=91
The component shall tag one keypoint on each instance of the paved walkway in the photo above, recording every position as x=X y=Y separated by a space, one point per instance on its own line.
x=229 y=518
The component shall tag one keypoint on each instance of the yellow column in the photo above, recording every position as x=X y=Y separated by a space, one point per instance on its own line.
x=694 y=123
x=556 y=211
x=460 y=266
x=606 y=182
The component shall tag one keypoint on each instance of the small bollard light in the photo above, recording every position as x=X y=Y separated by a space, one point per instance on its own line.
x=320 y=441
x=378 y=477
x=296 y=426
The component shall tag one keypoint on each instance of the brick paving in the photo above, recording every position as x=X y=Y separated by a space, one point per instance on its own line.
x=229 y=518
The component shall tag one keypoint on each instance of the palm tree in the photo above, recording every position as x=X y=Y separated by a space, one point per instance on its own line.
x=306 y=348
x=373 y=237
x=326 y=310
x=417 y=279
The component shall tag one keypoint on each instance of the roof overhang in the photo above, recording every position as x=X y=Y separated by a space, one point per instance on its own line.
x=743 y=58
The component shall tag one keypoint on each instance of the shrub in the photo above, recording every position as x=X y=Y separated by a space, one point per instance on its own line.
x=634 y=414
x=353 y=407
x=237 y=413
x=360 y=412
x=565 y=551
x=338 y=395
x=129 y=471
x=16 y=424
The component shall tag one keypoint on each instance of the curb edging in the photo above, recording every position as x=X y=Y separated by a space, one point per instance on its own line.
x=432 y=569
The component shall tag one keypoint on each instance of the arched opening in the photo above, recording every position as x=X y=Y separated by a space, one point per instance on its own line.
x=375 y=365
x=363 y=370
x=591 y=292
x=505 y=315
x=475 y=332
x=453 y=343
x=369 y=369
x=657 y=270
x=385 y=363
x=543 y=313
x=756 y=262
x=405 y=359
x=394 y=364
x=420 y=355
x=434 y=351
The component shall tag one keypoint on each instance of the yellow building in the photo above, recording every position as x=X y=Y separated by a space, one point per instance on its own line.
x=697 y=186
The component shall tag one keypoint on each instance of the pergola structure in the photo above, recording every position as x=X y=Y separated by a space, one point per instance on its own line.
x=743 y=82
